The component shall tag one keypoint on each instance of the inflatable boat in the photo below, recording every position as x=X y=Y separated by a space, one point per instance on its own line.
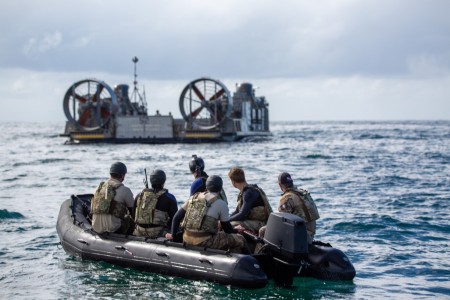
x=283 y=253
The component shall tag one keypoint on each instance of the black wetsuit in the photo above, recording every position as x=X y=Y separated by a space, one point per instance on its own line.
x=251 y=198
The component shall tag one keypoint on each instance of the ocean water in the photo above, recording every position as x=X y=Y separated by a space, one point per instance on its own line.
x=382 y=190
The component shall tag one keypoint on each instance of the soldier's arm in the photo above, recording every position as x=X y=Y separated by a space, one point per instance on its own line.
x=177 y=220
x=248 y=200
x=226 y=226
x=224 y=218
x=286 y=206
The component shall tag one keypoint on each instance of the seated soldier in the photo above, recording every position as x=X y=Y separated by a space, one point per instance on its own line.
x=253 y=208
x=201 y=214
x=112 y=203
x=299 y=202
x=155 y=208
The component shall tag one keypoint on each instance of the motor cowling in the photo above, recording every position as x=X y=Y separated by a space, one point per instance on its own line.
x=286 y=236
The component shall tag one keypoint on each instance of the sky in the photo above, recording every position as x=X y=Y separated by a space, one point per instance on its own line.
x=312 y=60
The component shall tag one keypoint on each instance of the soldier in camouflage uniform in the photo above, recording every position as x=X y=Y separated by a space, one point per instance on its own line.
x=112 y=203
x=201 y=215
x=299 y=202
x=155 y=208
x=253 y=208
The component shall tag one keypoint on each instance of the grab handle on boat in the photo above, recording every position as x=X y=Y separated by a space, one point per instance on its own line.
x=204 y=260
x=163 y=254
x=83 y=241
x=124 y=249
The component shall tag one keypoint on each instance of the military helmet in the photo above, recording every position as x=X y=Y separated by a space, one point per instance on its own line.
x=118 y=168
x=157 y=177
x=214 y=183
x=196 y=164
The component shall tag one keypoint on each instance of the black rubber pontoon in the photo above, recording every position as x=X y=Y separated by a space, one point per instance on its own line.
x=284 y=257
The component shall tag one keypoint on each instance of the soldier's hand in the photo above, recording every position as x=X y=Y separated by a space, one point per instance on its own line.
x=169 y=236
x=239 y=228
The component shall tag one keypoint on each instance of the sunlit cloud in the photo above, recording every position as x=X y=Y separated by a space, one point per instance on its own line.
x=41 y=45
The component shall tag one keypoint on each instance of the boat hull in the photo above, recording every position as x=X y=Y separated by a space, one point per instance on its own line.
x=158 y=256
x=285 y=254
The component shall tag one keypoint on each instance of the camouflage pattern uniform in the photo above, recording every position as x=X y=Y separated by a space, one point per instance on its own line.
x=150 y=222
x=203 y=213
x=299 y=202
x=109 y=207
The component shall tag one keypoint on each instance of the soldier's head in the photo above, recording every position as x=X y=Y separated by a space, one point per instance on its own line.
x=118 y=170
x=196 y=165
x=237 y=177
x=157 y=178
x=214 y=184
x=285 y=180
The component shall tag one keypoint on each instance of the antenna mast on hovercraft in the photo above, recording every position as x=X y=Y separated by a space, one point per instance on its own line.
x=136 y=97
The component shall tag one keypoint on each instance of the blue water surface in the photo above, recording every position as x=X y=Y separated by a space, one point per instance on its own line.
x=382 y=190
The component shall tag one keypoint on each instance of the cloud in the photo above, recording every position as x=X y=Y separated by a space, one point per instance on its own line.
x=259 y=39
x=38 y=96
x=330 y=59
x=41 y=45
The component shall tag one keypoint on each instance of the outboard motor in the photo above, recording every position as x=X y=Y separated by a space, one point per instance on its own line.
x=286 y=242
x=286 y=236
x=285 y=247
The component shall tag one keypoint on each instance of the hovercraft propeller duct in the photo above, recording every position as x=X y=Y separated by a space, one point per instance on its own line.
x=89 y=104
x=205 y=103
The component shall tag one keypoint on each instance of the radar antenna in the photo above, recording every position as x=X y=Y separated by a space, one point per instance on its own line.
x=136 y=97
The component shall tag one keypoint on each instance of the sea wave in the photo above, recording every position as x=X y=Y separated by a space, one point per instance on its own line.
x=5 y=214
x=382 y=190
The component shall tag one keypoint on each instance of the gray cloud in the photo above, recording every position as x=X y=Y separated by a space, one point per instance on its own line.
x=347 y=59
x=179 y=39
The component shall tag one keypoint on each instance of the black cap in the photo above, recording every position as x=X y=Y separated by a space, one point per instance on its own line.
x=158 y=177
x=214 y=183
x=118 y=168
x=285 y=179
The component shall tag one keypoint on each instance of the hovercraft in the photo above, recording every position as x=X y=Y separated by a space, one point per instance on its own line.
x=284 y=253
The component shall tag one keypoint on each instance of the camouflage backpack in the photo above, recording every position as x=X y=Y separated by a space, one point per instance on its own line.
x=308 y=204
x=196 y=212
x=146 y=212
x=104 y=195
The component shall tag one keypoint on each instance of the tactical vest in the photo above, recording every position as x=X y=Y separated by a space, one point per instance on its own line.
x=258 y=213
x=104 y=203
x=146 y=212
x=196 y=219
x=303 y=204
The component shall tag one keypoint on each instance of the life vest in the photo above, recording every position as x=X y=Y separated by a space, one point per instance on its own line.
x=104 y=203
x=195 y=219
x=258 y=213
x=146 y=213
x=304 y=205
